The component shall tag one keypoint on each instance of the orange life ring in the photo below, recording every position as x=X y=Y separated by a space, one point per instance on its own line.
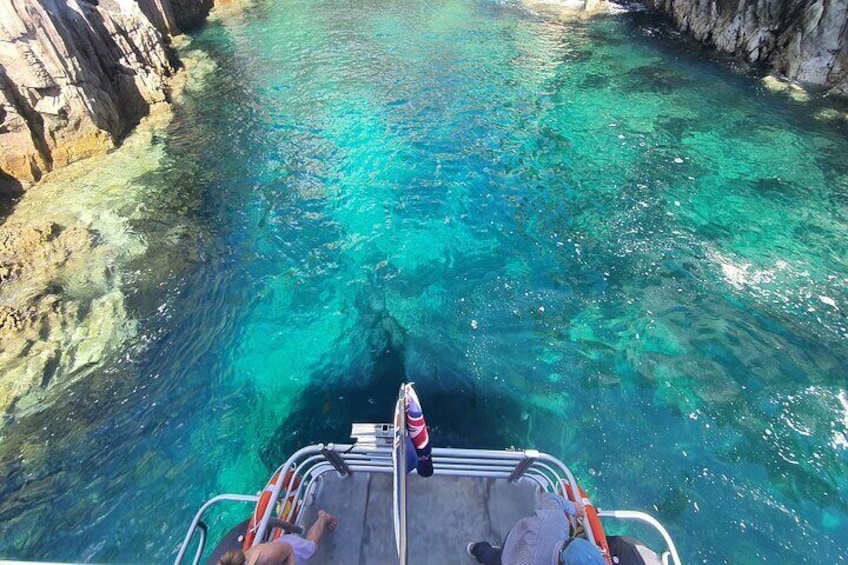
x=287 y=513
x=594 y=521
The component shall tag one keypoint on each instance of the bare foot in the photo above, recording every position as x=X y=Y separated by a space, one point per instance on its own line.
x=330 y=520
x=324 y=520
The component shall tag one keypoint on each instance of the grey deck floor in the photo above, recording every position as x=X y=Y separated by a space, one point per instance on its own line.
x=444 y=514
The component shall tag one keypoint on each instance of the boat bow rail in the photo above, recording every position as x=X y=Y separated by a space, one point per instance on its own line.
x=381 y=449
x=312 y=462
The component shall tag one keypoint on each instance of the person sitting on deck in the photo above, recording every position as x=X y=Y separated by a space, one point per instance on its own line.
x=288 y=549
x=541 y=539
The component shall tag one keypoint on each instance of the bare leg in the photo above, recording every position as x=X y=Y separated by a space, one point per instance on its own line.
x=324 y=520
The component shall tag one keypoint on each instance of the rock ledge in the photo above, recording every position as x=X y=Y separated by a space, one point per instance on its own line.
x=76 y=76
x=804 y=40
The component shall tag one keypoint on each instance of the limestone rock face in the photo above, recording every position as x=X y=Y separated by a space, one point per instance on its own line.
x=75 y=76
x=805 y=40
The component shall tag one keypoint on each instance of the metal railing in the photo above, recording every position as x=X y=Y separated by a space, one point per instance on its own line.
x=381 y=448
x=197 y=524
x=311 y=462
x=651 y=521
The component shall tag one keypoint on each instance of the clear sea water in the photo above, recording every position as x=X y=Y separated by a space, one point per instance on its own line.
x=591 y=238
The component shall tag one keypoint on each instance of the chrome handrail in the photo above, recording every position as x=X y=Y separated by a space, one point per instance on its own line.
x=201 y=527
x=546 y=471
x=199 y=514
x=648 y=519
x=311 y=462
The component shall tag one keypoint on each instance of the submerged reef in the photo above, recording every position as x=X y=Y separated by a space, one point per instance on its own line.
x=803 y=40
x=75 y=78
x=63 y=257
x=81 y=260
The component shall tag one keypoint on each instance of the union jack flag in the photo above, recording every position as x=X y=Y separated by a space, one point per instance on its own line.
x=416 y=428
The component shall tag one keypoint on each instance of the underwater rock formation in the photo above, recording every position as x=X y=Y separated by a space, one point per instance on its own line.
x=804 y=40
x=69 y=248
x=64 y=256
x=76 y=76
x=37 y=320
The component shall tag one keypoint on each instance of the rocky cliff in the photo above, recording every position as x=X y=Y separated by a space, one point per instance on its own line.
x=76 y=75
x=804 y=40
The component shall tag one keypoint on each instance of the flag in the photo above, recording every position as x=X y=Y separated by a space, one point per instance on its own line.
x=416 y=428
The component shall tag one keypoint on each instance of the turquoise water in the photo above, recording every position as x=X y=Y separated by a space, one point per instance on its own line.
x=587 y=238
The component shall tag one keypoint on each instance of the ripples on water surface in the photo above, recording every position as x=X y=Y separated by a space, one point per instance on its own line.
x=581 y=238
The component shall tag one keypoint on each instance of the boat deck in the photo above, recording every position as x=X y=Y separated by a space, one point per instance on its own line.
x=474 y=495
x=444 y=515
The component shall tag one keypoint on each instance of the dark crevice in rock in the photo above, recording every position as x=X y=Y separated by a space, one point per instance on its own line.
x=10 y=190
x=191 y=14
x=50 y=370
x=128 y=99
x=34 y=122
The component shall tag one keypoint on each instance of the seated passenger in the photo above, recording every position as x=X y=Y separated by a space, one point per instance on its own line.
x=541 y=539
x=288 y=549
